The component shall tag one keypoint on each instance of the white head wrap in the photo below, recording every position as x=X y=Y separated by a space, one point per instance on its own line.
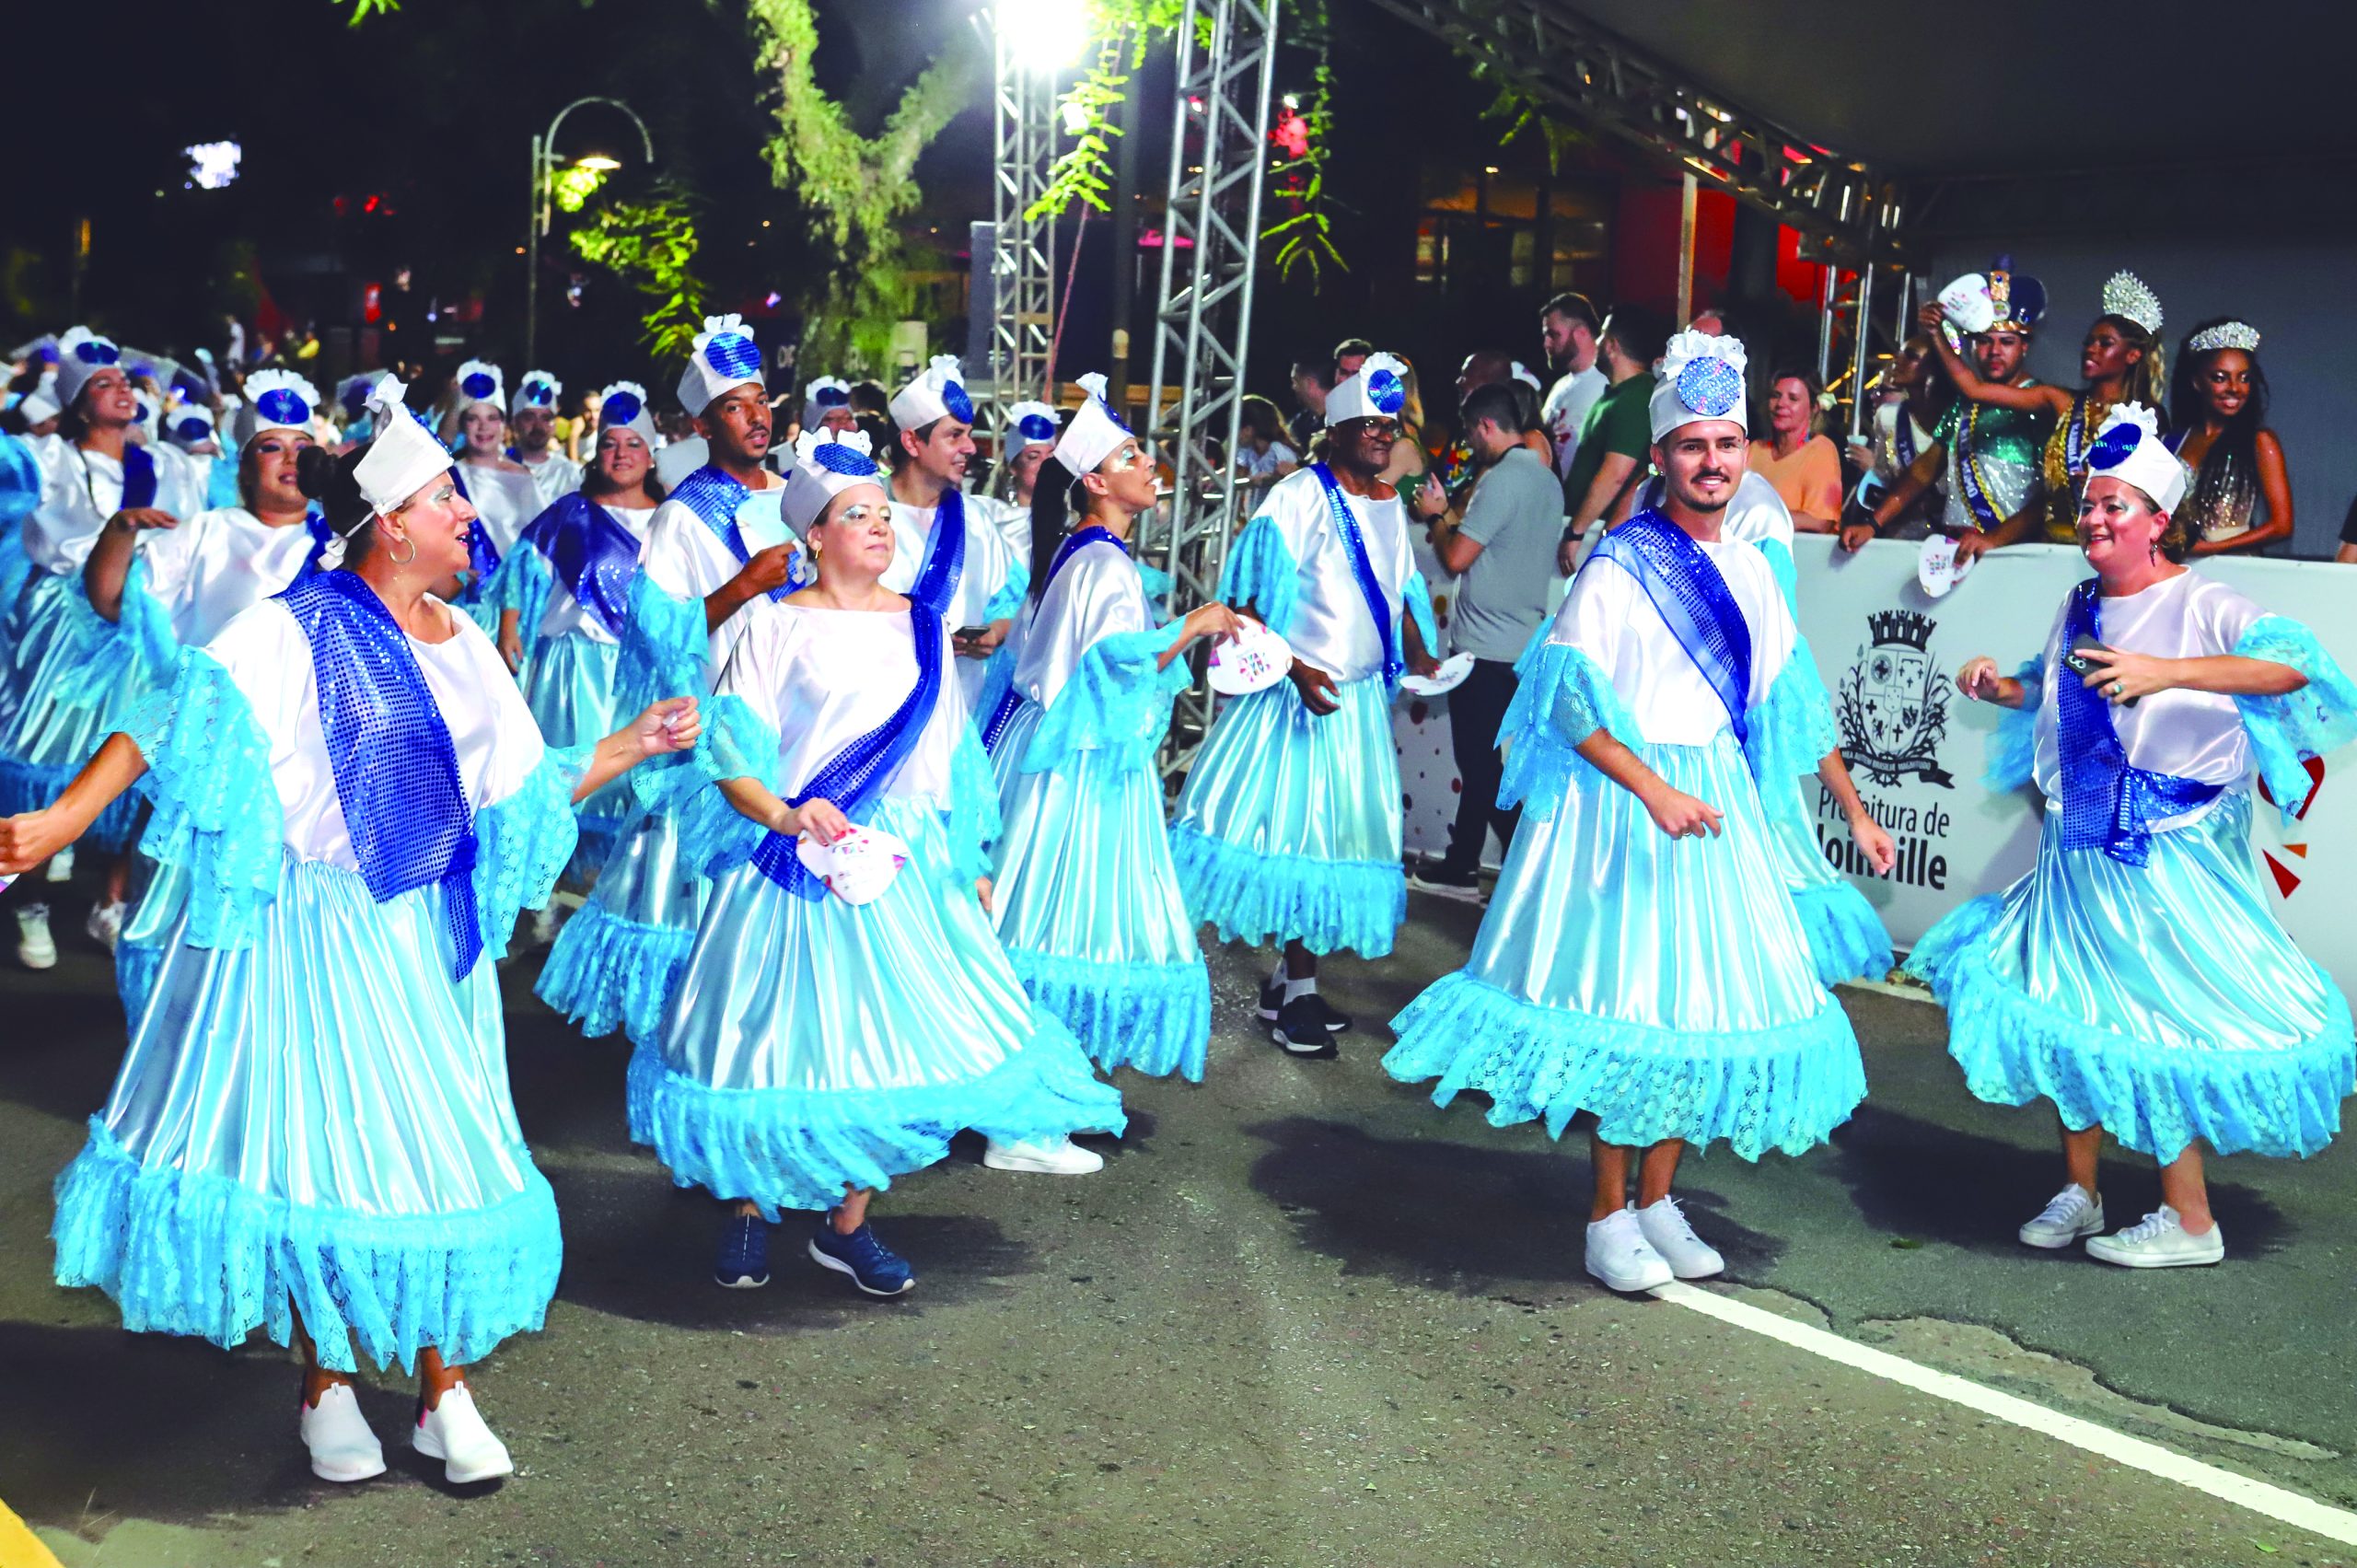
x=189 y=426
x=1701 y=378
x=826 y=393
x=480 y=381
x=539 y=389
x=826 y=463
x=82 y=354
x=404 y=456
x=723 y=356
x=1095 y=431
x=40 y=405
x=624 y=404
x=2130 y=448
x=1378 y=390
x=935 y=393
x=1028 y=422
x=275 y=400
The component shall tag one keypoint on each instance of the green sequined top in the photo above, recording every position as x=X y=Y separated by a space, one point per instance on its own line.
x=2001 y=434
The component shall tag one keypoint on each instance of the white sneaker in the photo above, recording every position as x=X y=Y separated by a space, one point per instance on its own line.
x=1060 y=1156
x=2070 y=1214
x=61 y=866
x=35 y=949
x=105 y=925
x=343 y=1448
x=454 y=1432
x=1619 y=1254
x=1666 y=1231
x=544 y=922
x=2159 y=1241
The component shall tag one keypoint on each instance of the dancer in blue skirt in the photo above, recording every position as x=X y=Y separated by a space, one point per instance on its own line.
x=1289 y=827
x=312 y=1134
x=1640 y=959
x=819 y=1048
x=563 y=598
x=2136 y=977
x=717 y=553
x=1085 y=897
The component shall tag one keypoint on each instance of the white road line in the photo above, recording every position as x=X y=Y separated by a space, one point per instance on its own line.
x=2286 y=1507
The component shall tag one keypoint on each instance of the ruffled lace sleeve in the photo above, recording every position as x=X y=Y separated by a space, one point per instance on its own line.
x=665 y=647
x=135 y=651
x=521 y=583
x=1157 y=584
x=217 y=815
x=1262 y=575
x=737 y=744
x=974 y=821
x=1791 y=728
x=2286 y=731
x=2012 y=750
x=1563 y=699
x=522 y=843
x=1117 y=702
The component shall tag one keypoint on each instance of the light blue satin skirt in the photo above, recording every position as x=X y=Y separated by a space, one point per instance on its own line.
x=618 y=959
x=1087 y=903
x=2164 y=1002
x=1664 y=984
x=1846 y=938
x=569 y=684
x=319 y=1124
x=816 y=1045
x=1289 y=826
x=45 y=741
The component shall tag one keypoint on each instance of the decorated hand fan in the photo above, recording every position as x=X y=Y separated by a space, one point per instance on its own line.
x=856 y=867
x=1937 y=569
x=1253 y=660
x=1452 y=674
x=1967 y=303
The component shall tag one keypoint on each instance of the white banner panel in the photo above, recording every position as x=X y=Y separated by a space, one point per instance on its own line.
x=1889 y=654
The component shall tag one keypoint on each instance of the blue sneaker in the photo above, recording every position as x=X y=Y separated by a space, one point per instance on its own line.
x=873 y=1267
x=744 y=1263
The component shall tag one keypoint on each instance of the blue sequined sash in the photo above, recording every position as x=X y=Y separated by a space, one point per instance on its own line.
x=2106 y=804
x=315 y=523
x=944 y=556
x=711 y=494
x=1001 y=715
x=592 y=554
x=1902 y=438
x=483 y=556
x=1346 y=522
x=1967 y=469
x=853 y=778
x=396 y=769
x=138 y=476
x=1686 y=585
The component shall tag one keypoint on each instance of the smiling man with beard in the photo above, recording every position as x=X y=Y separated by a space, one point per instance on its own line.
x=1642 y=959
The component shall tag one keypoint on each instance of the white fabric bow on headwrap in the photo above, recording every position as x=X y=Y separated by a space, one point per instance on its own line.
x=1096 y=431
x=1701 y=378
x=2129 y=447
x=826 y=463
x=275 y=400
x=480 y=381
x=1379 y=391
x=401 y=459
x=624 y=404
x=723 y=356
x=934 y=393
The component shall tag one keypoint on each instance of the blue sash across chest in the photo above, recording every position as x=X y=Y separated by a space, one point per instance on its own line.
x=2106 y=804
x=712 y=494
x=1346 y=523
x=995 y=727
x=944 y=556
x=854 y=776
x=396 y=769
x=138 y=476
x=1692 y=596
x=591 y=554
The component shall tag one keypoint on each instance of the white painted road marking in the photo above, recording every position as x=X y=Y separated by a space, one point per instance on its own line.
x=2259 y=1496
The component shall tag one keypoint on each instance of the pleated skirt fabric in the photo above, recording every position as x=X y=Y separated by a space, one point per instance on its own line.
x=569 y=683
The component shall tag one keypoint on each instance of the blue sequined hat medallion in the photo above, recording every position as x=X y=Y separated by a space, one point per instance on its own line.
x=279 y=406
x=619 y=408
x=960 y=406
x=733 y=355
x=836 y=457
x=1710 y=386
x=1385 y=392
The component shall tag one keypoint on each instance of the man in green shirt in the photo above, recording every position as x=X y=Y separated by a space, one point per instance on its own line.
x=1619 y=429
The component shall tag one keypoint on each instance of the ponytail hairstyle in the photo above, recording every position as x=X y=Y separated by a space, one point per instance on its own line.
x=2149 y=379
x=327 y=479
x=1052 y=512
x=2229 y=473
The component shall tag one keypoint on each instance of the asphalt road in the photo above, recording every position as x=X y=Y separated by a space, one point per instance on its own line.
x=1301 y=1317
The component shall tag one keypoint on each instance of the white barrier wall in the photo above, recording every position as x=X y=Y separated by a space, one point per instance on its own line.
x=1889 y=654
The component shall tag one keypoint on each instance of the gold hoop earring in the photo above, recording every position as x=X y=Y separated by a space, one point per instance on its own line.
x=403 y=560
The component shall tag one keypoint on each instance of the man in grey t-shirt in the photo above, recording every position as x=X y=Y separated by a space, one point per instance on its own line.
x=1503 y=558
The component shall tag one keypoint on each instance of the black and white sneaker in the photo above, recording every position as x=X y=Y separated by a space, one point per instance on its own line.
x=1273 y=1006
x=1301 y=1029
x=1442 y=883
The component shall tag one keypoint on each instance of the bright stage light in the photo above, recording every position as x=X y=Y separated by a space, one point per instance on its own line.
x=213 y=166
x=598 y=161
x=1047 y=35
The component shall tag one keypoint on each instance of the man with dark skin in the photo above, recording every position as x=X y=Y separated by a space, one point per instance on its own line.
x=736 y=425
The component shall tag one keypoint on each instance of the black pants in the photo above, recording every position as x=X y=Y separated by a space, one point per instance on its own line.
x=1475 y=711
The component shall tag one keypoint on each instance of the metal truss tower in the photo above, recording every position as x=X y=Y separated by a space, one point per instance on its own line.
x=1023 y=287
x=1219 y=153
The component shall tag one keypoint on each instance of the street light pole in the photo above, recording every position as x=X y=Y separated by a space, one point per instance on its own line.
x=543 y=171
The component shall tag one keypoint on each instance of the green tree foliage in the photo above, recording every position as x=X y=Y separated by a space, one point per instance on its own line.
x=651 y=245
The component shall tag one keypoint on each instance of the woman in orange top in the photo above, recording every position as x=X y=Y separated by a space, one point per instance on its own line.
x=1804 y=467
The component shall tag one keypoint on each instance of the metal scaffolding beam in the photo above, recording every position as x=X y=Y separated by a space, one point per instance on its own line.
x=1559 y=58
x=1202 y=328
x=1023 y=287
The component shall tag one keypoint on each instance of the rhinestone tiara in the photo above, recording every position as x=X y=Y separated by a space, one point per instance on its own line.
x=2225 y=334
x=2126 y=296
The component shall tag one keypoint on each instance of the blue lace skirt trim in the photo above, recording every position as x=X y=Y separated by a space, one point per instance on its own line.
x=606 y=972
x=1152 y=1019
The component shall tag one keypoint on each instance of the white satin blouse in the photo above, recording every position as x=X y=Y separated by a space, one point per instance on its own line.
x=684 y=558
x=79 y=491
x=824 y=678
x=1333 y=628
x=216 y=564
x=506 y=502
x=1098 y=595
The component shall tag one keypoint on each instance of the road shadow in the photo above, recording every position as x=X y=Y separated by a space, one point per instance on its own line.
x=1919 y=1179
x=1435 y=1214
x=637 y=1246
x=99 y=1424
x=64 y=1041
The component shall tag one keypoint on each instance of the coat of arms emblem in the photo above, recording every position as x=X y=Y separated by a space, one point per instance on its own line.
x=1894 y=702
